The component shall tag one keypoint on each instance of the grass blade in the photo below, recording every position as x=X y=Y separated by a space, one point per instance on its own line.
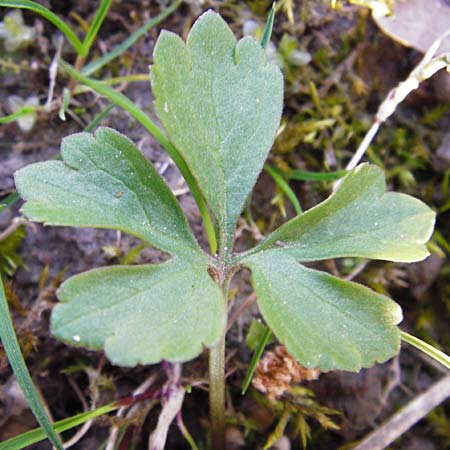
x=65 y=104
x=303 y=175
x=9 y=201
x=428 y=349
x=33 y=436
x=17 y=115
x=51 y=17
x=284 y=186
x=95 y=25
x=15 y=358
x=130 y=40
x=267 y=33
x=95 y=122
x=125 y=103
x=255 y=359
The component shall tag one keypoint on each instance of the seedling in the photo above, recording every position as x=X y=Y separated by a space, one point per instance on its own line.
x=220 y=102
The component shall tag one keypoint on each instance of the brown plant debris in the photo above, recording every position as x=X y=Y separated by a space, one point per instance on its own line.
x=277 y=370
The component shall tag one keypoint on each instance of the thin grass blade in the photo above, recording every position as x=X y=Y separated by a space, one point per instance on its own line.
x=38 y=434
x=15 y=358
x=255 y=359
x=302 y=175
x=17 y=115
x=65 y=104
x=51 y=17
x=130 y=40
x=95 y=25
x=267 y=33
x=95 y=122
x=428 y=349
x=284 y=186
x=10 y=200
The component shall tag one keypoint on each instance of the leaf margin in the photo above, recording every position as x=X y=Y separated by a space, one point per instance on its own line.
x=152 y=271
x=104 y=136
x=274 y=260
x=413 y=251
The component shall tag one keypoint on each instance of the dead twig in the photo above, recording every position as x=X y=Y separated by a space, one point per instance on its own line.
x=357 y=270
x=427 y=67
x=53 y=72
x=245 y=304
x=16 y=223
x=406 y=418
x=114 y=431
x=87 y=425
x=171 y=407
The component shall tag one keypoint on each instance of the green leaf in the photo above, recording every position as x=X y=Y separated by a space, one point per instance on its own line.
x=125 y=103
x=105 y=182
x=38 y=434
x=255 y=334
x=142 y=314
x=19 y=367
x=25 y=111
x=302 y=175
x=267 y=32
x=324 y=322
x=260 y=345
x=284 y=186
x=10 y=200
x=220 y=103
x=360 y=219
x=99 y=17
x=428 y=349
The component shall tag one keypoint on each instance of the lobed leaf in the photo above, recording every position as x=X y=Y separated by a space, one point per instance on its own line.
x=220 y=103
x=359 y=219
x=325 y=322
x=105 y=182
x=142 y=314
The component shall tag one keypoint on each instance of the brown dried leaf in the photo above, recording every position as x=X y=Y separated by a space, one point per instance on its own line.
x=418 y=23
x=277 y=370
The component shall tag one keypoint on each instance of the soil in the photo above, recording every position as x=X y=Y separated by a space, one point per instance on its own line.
x=73 y=379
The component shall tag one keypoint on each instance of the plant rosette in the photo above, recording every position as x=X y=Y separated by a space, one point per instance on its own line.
x=220 y=103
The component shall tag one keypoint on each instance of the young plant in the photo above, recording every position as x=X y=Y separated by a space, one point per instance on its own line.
x=220 y=102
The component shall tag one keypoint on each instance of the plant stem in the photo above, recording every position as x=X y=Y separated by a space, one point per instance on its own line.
x=217 y=394
x=79 y=63
x=217 y=380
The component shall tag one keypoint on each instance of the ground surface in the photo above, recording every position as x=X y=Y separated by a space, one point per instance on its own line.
x=352 y=66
